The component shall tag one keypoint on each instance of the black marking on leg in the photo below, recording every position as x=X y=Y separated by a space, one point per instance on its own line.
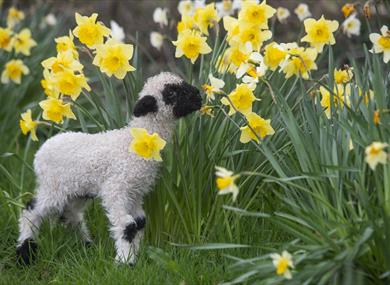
x=31 y=204
x=130 y=232
x=26 y=252
x=140 y=221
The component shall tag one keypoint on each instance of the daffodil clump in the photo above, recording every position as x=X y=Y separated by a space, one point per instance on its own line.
x=19 y=40
x=63 y=76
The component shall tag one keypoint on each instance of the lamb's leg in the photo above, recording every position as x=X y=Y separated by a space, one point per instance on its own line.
x=140 y=221
x=73 y=216
x=123 y=226
x=29 y=222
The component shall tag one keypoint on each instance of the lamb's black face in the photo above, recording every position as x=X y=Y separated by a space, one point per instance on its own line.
x=184 y=98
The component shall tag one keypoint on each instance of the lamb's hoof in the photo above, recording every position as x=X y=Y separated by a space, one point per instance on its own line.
x=26 y=252
x=88 y=243
x=120 y=260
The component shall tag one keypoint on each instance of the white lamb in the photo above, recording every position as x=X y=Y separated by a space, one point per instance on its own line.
x=72 y=167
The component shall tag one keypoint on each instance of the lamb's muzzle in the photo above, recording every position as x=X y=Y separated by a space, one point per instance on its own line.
x=71 y=166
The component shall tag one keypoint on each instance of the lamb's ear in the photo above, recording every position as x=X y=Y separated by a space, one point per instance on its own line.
x=145 y=105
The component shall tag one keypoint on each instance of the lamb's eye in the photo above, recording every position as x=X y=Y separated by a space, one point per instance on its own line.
x=172 y=94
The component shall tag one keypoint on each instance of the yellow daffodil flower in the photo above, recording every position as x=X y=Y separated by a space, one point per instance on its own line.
x=113 y=58
x=283 y=263
x=22 y=42
x=260 y=126
x=274 y=54
x=206 y=18
x=49 y=84
x=342 y=75
x=145 y=145
x=242 y=99
x=186 y=23
x=14 y=16
x=300 y=62
x=320 y=33
x=90 y=32
x=340 y=97
x=14 y=69
x=214 y=88
x=71 y=84
x=381 y=43
x=5 y=39
x=231 y=26
x=64 y=60
x=27 y=124
x=55 y=110
x=66 y=43
x=226 y=182
x=348 y=9
x=252 y=34
x=191 y=44
x=375 y=154
x=376 y=118
x=256 y=14
x=207 y=110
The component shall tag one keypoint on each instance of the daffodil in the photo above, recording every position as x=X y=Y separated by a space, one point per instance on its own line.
x=274 y=54
x=282 y=14
x=23 y=42
x=226 y=182
x=340 y=97
x=342 y=75
x=231 y=26
x=14 y=69
x=90 y=32
x=145 y=145
x=351 y=26
x=49 y=84
x=376 y=117
x=375 y=154
x=113 y=58
x=300 y=62
x=252 y=34
x=256 y=14
x=5 y=39
x=186 y=23
x=320 y=33
x=381 y=43
x=156 y=40
x=214 y=88
x=55 y=110
x=191 y=44
x=206 y=18
x=14 y=16
x=236 y=56
x=66 y=43
x=283 y=263
x=27 y=124
x=207 y=110
x=224 y=8
x=63 y=60
x=240 y=99
x=69 y=83
x=160 y=16
x=302 y=11
x=186 y=7
x=257 y=127
x=348 y=9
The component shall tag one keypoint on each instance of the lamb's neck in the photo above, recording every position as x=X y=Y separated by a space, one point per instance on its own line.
x=164 y=128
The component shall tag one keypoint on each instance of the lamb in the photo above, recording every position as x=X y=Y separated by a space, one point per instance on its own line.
x=73 y=166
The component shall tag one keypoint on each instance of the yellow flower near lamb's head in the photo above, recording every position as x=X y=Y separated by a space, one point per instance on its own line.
x=145 y=145
x=14 y=16
x=191 y=44
x=214 y=87
x=55 y=110
x=342 y=75
x=256 y=14
x=113 y=58
x=27 y=124
x=283 y=263
x=64 y=60
x=66 y=43
x=90 y=32
x=5 y=39
x=241 y=98
x=260 y=126
x=14 y=69
x=375 y=154
x=22 y=42
x=274 y=54
x=300 y=62
x=320 y=33
x=226 y=182
x=69 y=83
x=206 y=17
x=381 y=43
